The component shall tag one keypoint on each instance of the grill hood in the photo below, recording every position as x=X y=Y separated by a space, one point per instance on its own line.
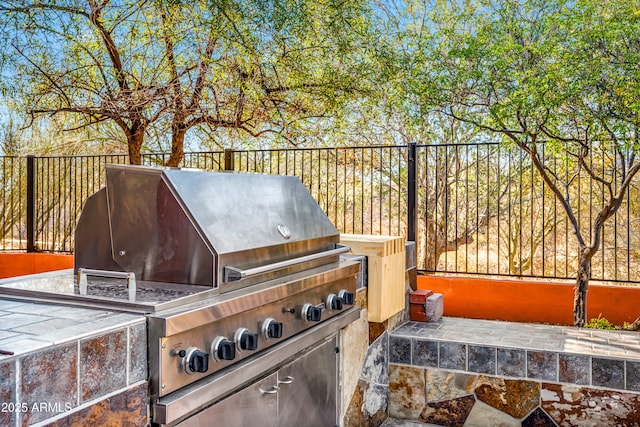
x=219 y=229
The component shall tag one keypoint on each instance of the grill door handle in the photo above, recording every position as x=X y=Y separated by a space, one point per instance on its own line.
x=83 y=283
x=233 y=274
x=286 y=380
x=273 y=390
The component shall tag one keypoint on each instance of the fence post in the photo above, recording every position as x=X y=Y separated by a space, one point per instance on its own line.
x=228 y=160
x=31 y=203
x=411 y=190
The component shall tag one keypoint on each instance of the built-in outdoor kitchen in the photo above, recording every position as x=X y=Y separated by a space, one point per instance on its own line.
x=199 y=298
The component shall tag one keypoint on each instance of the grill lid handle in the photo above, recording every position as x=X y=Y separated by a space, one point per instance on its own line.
x=233 y=274
x=84 y=284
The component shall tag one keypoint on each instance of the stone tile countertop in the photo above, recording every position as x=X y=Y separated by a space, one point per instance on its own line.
x=27 y=326
x=531 y=336
x=57 y=361
x=579 y=356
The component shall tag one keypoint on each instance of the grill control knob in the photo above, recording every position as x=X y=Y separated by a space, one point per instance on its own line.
x=195 y=361
x=245 y=339
x=311 y=313
x=223 y=349
x=347 y=297
x=271 y=328
x=334 y=302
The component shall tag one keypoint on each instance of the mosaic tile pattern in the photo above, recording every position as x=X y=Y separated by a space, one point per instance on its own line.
x=482 y=359
x=27 y=327
x=476 y=346
x=7 y=393
x=544 y=377
x=368 y=404
x=607 y=372
x=103 y=365
x=542 y=365
x=137 y=353
x=574 y=369
x=424 y=353
x=511 y=362
x=399 y=350
x=450 y=398
x=569 y=405
x=127 y=408
x=39 y=386
x=58 y=365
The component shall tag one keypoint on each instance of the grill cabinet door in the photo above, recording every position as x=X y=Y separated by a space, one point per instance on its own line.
x=255 y=405
x=308 y=388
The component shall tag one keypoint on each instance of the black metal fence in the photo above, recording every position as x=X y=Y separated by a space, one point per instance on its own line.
x=484 y=209
x=477 y=208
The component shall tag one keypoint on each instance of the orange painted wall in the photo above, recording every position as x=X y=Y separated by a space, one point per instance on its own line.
x=522 y=301
x=19 y=264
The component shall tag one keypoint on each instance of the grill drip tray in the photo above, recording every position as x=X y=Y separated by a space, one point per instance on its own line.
x=102 y=292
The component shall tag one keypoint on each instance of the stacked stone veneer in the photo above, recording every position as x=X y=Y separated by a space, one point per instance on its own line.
x=465 y=384
x=365 y=380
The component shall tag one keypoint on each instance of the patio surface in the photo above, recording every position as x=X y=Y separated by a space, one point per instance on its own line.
x=528 y=336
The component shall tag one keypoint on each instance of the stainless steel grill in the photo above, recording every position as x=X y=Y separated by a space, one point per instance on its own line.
x=240 y=278
x=203 y=228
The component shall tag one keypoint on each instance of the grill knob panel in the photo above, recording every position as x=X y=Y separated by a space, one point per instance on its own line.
x=223 y=349
x=195 y=361
x=271 y=328
x=311 y=313
x=334 y=302
x=245 y=340
x=347 y=297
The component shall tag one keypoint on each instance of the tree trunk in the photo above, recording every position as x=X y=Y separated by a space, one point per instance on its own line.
x=580 y=289
x=134 y=143
x=434 y=247
x=177 y=148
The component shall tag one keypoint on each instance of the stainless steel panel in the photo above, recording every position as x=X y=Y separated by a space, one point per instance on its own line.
x=200 y=327
x=187 y=401
x=308 y=388
x=130 y=284
x=93 y=236
x=61 y=287
x=301 y=393
x=239 y=212
x=185 y=226
x=362 y=279
x=187 y=317
x=256 y=405
x=233 y=273
x=152 y=234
